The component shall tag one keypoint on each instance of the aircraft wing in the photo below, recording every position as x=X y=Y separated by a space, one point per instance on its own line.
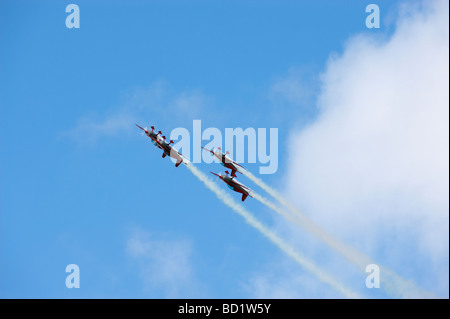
x=215 y=174
x=229 y=160
x=208 y=150
x=238 y=165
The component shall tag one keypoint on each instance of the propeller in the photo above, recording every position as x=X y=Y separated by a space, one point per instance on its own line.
x=171 y=142
x=152 y=127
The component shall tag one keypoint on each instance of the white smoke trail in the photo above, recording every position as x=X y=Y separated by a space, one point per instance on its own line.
x=270 y=234
x=392 y=282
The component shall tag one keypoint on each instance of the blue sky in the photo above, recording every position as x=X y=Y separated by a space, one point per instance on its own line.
x=81 y=185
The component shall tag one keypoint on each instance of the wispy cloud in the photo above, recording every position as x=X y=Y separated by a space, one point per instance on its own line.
x=293 y=95
x=156 y=104
x=280 y=280
x=296 y=88
x=90 y=128
x=165 y=265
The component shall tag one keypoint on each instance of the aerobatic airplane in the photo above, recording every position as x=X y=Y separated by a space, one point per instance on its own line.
x=235 y=185
x=160 y=141
x=225 y=160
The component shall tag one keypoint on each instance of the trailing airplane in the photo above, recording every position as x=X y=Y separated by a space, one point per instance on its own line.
x=235 y=185
x=225 y=160
x=160 y=141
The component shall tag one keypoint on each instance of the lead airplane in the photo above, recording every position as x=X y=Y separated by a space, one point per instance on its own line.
x=160 y=141
x=225 y=160
x=235 y=185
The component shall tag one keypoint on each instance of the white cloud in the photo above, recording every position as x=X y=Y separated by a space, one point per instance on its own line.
x=374 y=167
x=283 y=280
x=292 y=88
x=90 y=128
x=165 y=266
x=292 y=95
x=155 y=105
